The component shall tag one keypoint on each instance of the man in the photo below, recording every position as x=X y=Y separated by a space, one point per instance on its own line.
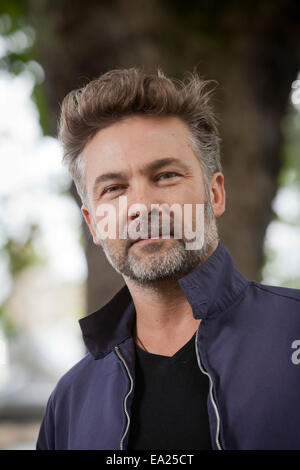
x=189 y=354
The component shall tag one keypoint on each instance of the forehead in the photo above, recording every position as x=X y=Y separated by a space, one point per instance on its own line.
x=134 y=141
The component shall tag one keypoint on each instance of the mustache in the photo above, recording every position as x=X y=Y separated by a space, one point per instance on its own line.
x=157 y=229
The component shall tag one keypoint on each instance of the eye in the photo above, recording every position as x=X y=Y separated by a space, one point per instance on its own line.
x=167 y=175
x=110 y=189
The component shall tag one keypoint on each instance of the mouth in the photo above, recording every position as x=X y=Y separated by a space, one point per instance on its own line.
x=146 y=241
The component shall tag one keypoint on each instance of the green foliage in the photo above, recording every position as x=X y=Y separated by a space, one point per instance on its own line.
x=19 y=44
x=21 y=255
x=38 y=97
x=290 y=155
x=293 y=283
x=289 y=176
x=14 y=18
x=8 y=327
x=17 y=11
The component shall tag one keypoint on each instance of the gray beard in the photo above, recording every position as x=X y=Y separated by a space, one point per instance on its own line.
x=169 y=263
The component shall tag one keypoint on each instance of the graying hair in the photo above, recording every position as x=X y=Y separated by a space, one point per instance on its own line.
x=121 y=93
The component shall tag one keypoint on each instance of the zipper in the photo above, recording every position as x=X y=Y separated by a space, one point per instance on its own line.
x=210 y=391
x=126 y=396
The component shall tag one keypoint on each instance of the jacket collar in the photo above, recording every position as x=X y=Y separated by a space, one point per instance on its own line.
x=209 y=289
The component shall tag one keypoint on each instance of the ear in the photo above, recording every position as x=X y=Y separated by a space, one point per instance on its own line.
x=217 y=194
x=89 y=220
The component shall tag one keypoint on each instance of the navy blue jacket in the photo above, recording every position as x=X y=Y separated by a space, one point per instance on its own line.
x=248 y=343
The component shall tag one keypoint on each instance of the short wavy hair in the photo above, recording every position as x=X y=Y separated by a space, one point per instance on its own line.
x=120 y=93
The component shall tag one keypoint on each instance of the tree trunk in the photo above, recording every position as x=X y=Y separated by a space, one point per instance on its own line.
x=251 y=48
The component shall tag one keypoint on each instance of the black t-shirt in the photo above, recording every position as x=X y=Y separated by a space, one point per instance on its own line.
x=169 y=410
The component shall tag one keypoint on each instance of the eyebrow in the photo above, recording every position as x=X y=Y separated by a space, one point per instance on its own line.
x=155 y=165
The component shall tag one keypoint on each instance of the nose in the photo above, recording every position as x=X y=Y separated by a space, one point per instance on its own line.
x=140 y=199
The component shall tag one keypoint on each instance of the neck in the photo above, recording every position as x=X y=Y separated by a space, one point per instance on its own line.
x=164 y=318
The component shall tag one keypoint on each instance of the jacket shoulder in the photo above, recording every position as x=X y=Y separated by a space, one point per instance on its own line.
x=284 y=292
x=78 y=378
x=47 y=434
x=76 y=373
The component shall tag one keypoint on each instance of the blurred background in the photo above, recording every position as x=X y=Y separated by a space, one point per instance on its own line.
x=50 y=272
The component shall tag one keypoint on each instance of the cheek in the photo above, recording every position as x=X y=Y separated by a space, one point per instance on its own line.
x=106 y=221
x=192 y=195
x=188 y=193
x=116 y=248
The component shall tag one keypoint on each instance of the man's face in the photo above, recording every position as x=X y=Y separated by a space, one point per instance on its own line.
x=150 y=161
